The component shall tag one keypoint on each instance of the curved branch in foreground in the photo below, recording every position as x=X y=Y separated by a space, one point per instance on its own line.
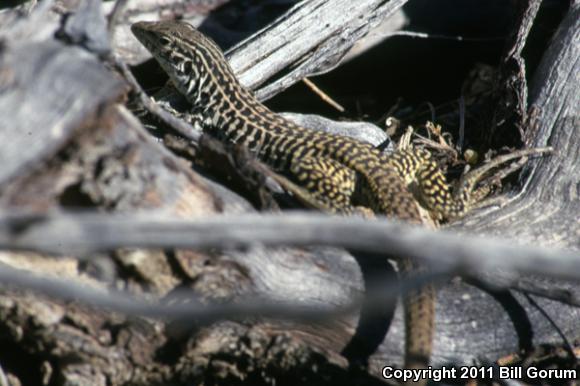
x=194 y=310
x=472 y=324
x=87 y=233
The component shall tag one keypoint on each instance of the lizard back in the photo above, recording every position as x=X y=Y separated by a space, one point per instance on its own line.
x=328 y=166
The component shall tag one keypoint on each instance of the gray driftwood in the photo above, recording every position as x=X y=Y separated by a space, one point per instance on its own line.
x=71 y=145
x=311 y=38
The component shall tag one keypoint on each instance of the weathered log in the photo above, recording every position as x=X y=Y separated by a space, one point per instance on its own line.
x=311 y=38
x=482 y=308
x=78 y=148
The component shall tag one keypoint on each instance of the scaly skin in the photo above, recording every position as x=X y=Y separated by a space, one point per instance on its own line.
x=329 y=172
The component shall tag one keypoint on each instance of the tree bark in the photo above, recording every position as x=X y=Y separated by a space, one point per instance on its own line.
x=69 y=143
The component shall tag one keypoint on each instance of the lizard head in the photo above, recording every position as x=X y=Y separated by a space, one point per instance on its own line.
x=194 y=63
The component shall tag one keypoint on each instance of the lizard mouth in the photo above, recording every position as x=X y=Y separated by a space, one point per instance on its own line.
x=140 y=32
x=143 y=31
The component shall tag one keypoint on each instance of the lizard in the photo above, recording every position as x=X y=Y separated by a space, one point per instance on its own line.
x=330 y=172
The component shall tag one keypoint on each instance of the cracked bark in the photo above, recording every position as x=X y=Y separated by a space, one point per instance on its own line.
x=80 y=148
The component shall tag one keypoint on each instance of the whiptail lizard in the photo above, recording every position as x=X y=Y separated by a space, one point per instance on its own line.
x=331 y=172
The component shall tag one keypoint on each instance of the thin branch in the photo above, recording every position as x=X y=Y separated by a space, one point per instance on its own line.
x=324 y=96
x=180 y=126
x=567 y=344
x=190 y=309
x=115 y=15
x=425 y=35
x=548 y=292
x=81 y=234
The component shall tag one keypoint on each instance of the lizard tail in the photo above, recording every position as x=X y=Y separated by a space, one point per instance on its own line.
x=419 y=320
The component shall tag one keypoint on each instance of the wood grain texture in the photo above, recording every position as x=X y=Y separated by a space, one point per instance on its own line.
x=57 y=101
x=547 y=210
x=47 y=90
x=313 y=36
x=488 y=324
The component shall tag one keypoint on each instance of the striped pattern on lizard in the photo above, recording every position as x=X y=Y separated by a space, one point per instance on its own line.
x=332 y=173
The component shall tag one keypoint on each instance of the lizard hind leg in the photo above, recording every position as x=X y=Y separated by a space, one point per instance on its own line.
x=416 y=167
x=435 y=191
x=323 y=184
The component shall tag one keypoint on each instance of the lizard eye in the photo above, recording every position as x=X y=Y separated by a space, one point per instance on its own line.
x=165 y=41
